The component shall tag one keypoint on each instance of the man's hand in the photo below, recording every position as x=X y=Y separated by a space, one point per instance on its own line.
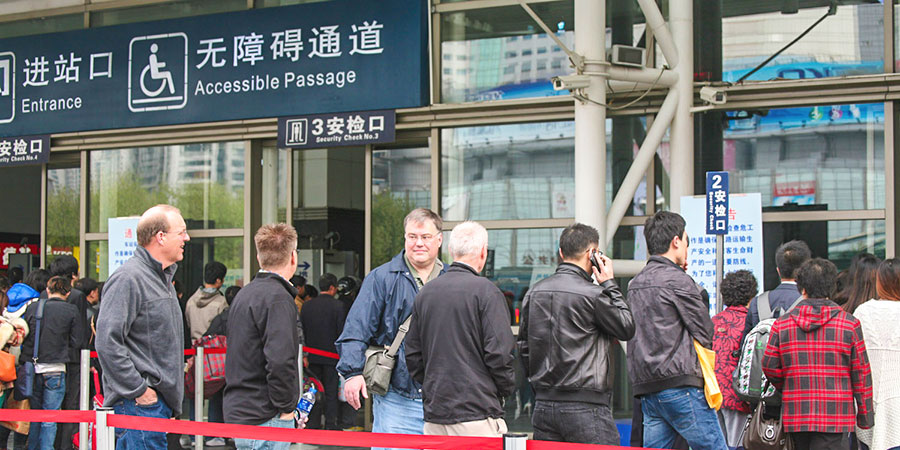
x=606 y=269
x=352 y=389
x=147 y=398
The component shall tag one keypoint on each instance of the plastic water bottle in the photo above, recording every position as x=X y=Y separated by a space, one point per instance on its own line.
x=307 y=400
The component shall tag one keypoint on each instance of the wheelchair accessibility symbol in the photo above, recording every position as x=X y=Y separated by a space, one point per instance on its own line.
x=157 y=72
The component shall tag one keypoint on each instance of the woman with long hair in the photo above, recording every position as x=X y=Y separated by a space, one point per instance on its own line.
x=860 y=284
x=879 y=319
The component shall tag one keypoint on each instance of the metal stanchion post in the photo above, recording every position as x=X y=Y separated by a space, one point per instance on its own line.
x=84 y=399
x=105 y=434
x=300 y=369
x=515 y=441
x=198 y=394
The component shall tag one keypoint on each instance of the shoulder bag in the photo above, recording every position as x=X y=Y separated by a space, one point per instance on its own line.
x=380 y=362
x=24 y=386
x=762 y=433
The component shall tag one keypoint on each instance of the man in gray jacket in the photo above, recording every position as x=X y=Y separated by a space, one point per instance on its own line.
x=662 y=363
x=138 y=329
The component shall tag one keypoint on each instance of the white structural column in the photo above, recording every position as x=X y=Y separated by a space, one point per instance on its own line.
x=681 y=165
x=590 y=118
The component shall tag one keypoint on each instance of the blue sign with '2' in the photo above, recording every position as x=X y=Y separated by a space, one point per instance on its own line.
x=717 y=212
x=336 y=56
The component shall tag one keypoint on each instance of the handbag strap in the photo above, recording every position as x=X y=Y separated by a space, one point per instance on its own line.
x=37 y=331
x=398 y=339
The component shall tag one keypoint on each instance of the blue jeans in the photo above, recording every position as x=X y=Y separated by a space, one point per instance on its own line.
x=53 y=391
x=394 y=413
x=256 y=444
x=681 y=411
x=139 y=439
x=576 y=422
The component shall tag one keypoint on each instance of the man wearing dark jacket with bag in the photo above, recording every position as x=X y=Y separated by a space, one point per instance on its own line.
x=262 y=381
x=568 y=325
x=662 y=363
x=460 y=347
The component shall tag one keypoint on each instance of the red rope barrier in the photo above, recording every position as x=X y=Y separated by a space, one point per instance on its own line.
x=315 y=351
x=315 y=437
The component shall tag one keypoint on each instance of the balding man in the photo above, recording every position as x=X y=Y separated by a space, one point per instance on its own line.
x=460 y=346
x=139 y=329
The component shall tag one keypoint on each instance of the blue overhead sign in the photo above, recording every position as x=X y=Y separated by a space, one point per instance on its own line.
x=717 y=203
x=342 y=55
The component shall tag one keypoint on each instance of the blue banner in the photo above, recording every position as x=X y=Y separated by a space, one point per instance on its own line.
x=342 y=55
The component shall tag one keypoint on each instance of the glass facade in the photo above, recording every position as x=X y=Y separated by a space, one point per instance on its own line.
x=205 y=181
x=401 y=182
x=170 y=10
x=63 y=200
x=850 y=42
x=520 y=171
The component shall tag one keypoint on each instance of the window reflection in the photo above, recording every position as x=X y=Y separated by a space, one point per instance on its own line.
x=205 y=181
x=63 y=208
x=401 y=182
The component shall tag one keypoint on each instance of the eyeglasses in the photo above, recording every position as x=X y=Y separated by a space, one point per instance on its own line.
x=426 y=238
x=182 y=233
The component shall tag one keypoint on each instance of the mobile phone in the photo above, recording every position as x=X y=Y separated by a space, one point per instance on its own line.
x=595 y=261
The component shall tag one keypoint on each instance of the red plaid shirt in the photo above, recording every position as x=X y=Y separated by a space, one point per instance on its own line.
x=728 y=326
x=817 y=357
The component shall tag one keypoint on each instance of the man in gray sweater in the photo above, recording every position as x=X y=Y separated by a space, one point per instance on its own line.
x=136 y=332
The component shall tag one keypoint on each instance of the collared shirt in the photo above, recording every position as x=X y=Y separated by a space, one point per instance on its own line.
x=435 y=271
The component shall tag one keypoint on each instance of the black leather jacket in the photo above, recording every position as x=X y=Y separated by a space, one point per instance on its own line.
x=568 y=324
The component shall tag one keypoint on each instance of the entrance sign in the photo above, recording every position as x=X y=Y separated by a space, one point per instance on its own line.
x=743 y=243
x=342 y=55
x=334 y=130
x=24 y=150
x=122 y=240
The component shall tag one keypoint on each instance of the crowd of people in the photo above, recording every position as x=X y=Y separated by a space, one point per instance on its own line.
x=830 y=346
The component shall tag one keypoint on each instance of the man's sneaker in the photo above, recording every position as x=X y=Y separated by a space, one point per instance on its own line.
x=216 y=442
x=185 y=441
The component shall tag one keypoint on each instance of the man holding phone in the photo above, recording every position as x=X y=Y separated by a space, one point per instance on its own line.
x=569 y=322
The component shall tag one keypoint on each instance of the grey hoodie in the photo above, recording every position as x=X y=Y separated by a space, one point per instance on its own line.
x=139 y=333
x=201 y=309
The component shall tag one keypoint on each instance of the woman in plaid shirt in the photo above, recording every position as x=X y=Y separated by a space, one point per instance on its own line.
x=817 y=358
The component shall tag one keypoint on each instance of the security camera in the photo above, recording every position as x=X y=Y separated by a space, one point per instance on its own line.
x=571 y=82
x=712 y=95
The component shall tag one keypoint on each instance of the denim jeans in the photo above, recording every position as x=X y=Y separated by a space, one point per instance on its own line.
x=138 y=439
x=681 y=411
x=53 y=390
x=394 y=413
x=577 y=422
x=256 y=444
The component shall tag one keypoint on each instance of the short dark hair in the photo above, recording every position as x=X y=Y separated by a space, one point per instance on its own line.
x=64 y=266
x=790 y=256
x=577 y=238
x=660 y=229
x=817 y=277
x=15 y=275
x=230 y=293
x=59 y=285
x=4 y=283
x=739 y=287
x=37 y=279
x=326 y=281
x=86 y=285
x=298 y=281
x=310 y=290
x=213 y=271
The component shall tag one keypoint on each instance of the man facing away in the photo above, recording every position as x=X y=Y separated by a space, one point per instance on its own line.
x=663 y=366
x=323 y=321
x=208 y=301
x=817 y=358
x=788 y=258
x=568 y=325
x=460 y=346
x=139 y=329
x=262 y=381
x=384 y=302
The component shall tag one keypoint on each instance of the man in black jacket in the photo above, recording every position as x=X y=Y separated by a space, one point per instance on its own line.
x=662 y=363
x=788 y=258
x=60 y=331
x=323 y=322
x=460 y=347
x=568 y=325
x=262 y=384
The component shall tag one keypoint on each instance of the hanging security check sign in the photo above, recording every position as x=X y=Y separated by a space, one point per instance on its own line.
x=717 y=203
